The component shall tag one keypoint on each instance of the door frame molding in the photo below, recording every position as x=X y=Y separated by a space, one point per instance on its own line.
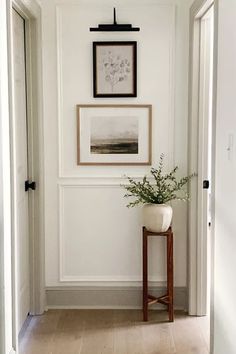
x=6 y=344
x=31 y=12
x=196 y=284
x=196 y=262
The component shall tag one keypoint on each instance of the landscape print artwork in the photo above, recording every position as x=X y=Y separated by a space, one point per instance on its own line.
x=114 y=135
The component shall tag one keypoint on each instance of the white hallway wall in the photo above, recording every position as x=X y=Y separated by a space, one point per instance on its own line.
x=225 y=222
x=91 y=237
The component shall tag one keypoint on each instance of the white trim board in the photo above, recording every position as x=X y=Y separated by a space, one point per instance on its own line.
x=101 y=181
x=5 y=188
x=195 y=242
x=123 y=280
x=12 y=351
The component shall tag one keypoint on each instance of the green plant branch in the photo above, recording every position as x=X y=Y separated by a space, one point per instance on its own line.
x=166 y=187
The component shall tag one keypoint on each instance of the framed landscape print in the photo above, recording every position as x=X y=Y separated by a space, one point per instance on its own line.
x=114 y=134
x=115 y=69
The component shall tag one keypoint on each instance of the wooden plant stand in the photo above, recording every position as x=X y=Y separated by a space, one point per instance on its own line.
x=166 y=299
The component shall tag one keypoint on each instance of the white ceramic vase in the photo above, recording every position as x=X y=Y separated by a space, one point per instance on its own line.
x=157 y=217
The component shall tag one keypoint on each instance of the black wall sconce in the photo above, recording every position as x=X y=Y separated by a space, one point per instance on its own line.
x=114 y=27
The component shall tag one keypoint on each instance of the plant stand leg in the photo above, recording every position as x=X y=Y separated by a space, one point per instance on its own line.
x=145 y=276
x=170 y=275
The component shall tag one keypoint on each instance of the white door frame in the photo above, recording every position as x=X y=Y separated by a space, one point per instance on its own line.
x=31 y=12
x=6 y=345
x=196 y=254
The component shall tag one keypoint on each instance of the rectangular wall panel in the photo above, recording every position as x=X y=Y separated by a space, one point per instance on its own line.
x=155 y=77
x=101 y=239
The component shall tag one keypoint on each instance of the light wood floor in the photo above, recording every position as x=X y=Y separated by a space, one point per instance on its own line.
x=113 y=332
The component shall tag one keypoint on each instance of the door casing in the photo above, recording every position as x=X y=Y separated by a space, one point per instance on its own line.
x=5 y=190
x=20 y=174
x=197 y=289
x=31 y=12
x=196 y=264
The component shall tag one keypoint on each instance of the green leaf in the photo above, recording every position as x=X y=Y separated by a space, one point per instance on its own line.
x=166 y=187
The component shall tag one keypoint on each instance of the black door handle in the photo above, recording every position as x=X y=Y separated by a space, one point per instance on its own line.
x=205 y=184
x=29 y=185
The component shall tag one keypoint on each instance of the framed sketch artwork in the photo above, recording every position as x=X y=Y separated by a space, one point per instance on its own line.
x=114 y=134
x=114 y=69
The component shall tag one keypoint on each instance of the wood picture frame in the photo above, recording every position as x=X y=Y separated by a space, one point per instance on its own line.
x=115 y=69
x=114 y=134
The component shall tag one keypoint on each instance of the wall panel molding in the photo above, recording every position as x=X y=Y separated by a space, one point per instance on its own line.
x=59 y=89
x=171 y=113
x=99 y=181
x=128 y=280
x=171 y=84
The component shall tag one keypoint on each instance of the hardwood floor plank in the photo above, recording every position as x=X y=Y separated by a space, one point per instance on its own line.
x=40 y=333
x=114 y=332
x=128 y=332
x=204 y=327
x=70 y=329
x=157 y=334
x=187 y=336
x=98 y=335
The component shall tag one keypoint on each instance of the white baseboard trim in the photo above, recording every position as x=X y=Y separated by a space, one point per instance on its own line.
x=12 y=351
x=107 y=297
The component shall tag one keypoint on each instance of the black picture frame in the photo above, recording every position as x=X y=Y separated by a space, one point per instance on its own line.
x=115 y=69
